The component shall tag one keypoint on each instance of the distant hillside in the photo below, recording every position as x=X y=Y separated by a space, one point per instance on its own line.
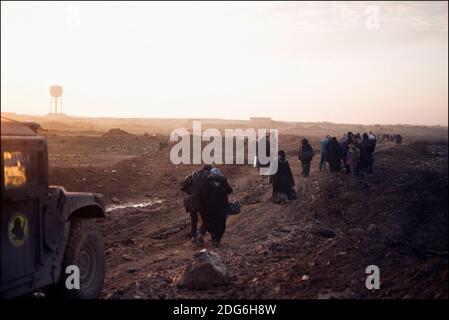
x=65 y=123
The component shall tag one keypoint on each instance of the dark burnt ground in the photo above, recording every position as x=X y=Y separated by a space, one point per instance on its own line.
x=316 y=247
x=398 y=222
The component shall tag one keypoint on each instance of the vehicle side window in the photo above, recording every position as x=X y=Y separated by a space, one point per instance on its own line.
x=20 y=169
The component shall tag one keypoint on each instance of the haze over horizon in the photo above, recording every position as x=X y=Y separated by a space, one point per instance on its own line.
x=207 y=119
x=304 y=62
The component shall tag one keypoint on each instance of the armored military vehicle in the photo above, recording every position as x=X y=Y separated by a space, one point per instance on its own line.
x=48 y=238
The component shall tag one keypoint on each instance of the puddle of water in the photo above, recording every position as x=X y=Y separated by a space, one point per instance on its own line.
x=140 y=204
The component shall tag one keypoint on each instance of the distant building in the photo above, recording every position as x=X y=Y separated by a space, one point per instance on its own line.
x=260 y=122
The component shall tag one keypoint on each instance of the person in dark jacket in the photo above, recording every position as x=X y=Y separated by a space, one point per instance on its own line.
x=283 y=181
x=305 y=154
x=192 y=185
x=345 y=147
x=214 y=204
x=366 y=156
x=334 y=155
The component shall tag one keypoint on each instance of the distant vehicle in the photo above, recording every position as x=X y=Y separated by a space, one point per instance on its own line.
x=44 y=230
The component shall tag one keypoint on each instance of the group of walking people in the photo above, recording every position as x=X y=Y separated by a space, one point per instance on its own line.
x=207 y=189
x=396 y=138
x=353 y=154
x=354 y=151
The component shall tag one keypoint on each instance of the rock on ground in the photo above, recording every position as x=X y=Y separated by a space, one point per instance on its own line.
x=206 y=270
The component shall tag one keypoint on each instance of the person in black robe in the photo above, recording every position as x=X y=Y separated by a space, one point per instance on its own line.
x=334 y=155
x=305 y=154
x=366 y=155
x=191 y=186
x=214 y=204
x=282 y=181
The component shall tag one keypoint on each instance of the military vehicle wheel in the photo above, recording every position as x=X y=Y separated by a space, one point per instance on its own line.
x=85 y=249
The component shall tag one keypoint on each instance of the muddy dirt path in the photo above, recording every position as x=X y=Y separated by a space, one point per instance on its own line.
x=151 y=241
x=315 y=247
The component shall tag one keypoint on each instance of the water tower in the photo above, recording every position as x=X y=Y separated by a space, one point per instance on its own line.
x=56 y=93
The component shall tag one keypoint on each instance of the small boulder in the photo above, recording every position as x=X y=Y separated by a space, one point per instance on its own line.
x=206 y=270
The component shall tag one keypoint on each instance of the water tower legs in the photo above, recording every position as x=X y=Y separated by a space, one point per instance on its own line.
x=56 y=92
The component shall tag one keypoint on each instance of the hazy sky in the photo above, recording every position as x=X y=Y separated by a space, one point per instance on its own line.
x=303 y=61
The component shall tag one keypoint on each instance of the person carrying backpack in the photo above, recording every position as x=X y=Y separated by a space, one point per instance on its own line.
x=334 y=155
x=214 y=204
x=192 y=185
x=306 y=154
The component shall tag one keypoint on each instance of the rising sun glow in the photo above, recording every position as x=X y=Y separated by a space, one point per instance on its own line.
x=291 y=61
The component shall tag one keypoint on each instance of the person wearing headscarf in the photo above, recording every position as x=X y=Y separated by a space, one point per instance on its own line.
x=282 y=180
x=192 y=185
x=366 y=156
x=305 y=155
x=214 y=204
x=334 y=155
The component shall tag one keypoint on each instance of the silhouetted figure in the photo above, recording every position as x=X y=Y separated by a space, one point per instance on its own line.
x=366 y=156
x=192 y=186
x=352 y=158
x=334 y=155
x=305 y=154
x=283 y=181
x=214 y=204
